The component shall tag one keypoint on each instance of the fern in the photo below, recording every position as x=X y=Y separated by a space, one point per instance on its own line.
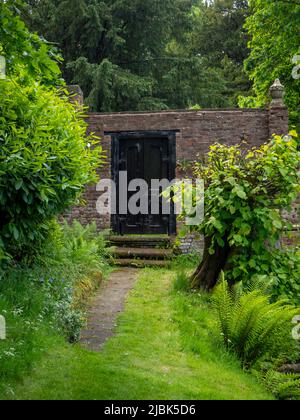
x=251 y=326
x=285 y=387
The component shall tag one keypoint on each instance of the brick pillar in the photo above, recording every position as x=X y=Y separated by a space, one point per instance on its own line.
x=278 y=112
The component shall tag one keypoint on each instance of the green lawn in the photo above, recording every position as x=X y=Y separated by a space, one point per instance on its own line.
x=163 y=350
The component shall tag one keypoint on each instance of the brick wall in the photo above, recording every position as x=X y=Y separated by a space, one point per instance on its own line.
x=197 y=130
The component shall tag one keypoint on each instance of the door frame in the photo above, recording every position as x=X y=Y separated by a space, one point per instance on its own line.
x=116 y=138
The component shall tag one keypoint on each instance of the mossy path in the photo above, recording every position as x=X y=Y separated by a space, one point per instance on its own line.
x=106 y=306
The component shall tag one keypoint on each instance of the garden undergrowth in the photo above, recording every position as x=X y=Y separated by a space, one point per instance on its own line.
x=44 y=300
x=165 y=348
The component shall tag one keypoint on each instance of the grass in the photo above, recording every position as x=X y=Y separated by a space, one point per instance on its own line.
x=164 y=349
x=47 y=298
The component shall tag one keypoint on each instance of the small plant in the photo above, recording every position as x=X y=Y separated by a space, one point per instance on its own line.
x=60 y=309
x=181 y=283
x=186 y=261
x=250 y=325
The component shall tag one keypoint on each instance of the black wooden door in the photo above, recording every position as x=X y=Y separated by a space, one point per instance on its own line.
x=146 y=158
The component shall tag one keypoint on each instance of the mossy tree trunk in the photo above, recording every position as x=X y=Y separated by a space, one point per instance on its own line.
x=208 y=272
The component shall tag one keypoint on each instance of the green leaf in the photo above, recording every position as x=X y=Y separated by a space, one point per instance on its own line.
x=18 y=184
x=277 y=224
x=15 y=232
x=239 y=191
x=232 y=210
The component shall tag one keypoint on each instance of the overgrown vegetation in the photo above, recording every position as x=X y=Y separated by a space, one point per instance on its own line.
x=274 y=52
x=243 y=224
x=45 y=157
x=176 y=53
x=47 y=299
x=283 y=386
x=164 y=349
x=143 y=55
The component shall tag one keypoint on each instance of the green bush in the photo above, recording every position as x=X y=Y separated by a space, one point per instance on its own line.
x=251 y=326
x=246 y=191
x=45 y=162
x=45 y=157
x=282 y=277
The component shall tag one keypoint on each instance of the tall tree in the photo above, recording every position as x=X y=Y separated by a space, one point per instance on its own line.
x=45 y=156
x=218 y=35
x=136 y=55
x=108 y=45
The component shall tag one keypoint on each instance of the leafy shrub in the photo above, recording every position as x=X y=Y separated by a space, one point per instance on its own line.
x=45 y=162
x=59 y=307
x=45 y=157
x=47 y=299
x=27 y=55
x=244 y=195
x=251 y=326
x=281 y=275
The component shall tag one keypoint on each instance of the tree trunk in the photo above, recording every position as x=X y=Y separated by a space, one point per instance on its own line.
x=208 y=273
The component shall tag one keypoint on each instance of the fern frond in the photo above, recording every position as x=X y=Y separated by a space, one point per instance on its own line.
x=252 y=326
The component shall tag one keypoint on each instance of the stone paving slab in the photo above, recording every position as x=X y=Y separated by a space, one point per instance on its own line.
x=106 y=307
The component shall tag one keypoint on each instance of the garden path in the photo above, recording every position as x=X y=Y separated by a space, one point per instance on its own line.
x=108 y=303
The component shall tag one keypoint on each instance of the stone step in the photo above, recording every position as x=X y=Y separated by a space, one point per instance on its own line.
x=131 y=262
x=144 y=253
x=141 y=241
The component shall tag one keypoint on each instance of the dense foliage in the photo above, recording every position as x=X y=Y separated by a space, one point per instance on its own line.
x=48 y=299
x=174 y=54
x=245 y=191
x=251 y=326
x=27 y=56
x=218 y=35
x=45 y=157
x=275 y=38
x=143 y=55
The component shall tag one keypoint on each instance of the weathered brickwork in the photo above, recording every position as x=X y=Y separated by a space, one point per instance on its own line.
x=197 y=131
